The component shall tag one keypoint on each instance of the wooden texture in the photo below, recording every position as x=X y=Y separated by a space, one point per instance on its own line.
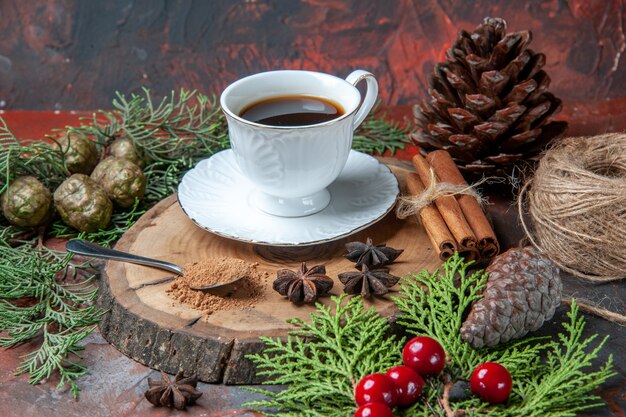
x=145 y=323
x=64 y=54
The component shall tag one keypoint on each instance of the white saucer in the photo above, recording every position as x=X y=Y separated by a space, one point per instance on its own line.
x=216 y=196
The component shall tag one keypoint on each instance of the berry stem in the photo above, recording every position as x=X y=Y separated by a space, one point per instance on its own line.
x=445 y=402
x=430 y=407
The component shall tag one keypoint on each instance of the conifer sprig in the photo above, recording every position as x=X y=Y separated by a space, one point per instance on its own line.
x=436 y=305
x=324 y=358
x=377 y=134
x=61 y=313
x=565 y=385
x=319 y=382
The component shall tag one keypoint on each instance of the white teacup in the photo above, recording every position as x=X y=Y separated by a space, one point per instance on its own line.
x=291 y=166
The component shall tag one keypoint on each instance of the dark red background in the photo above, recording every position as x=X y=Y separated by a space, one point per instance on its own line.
x=67 y=54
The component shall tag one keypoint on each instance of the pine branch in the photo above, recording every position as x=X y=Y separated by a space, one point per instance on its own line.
x=10 y=148
x=62 y=315
x=377 y=135
x=436 y=304
x=37 y=159
x=53 y=356
x=564 y=388
x=322 y=360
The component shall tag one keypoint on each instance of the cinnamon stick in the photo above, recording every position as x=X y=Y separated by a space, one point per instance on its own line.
x=436 y=229
x=447 y=171
x=448 y=207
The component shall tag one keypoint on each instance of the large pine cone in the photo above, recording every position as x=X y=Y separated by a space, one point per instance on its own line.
x=489 y=105
x=523 y=290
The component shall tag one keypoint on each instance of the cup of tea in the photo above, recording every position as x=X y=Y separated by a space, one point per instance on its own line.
x=291 y=133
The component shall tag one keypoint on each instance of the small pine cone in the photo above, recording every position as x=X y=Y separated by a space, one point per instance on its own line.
x=523 y=290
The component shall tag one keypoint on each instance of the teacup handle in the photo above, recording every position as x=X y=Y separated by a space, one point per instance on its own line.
x=370 y=95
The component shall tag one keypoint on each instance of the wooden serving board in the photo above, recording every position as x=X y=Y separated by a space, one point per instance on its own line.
x=145 y=323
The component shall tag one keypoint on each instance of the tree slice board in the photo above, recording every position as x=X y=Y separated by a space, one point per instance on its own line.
x=146 y=324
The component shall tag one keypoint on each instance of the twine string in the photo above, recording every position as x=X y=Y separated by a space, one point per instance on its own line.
x=576 y=204
x=574 y=210
x=409 y=205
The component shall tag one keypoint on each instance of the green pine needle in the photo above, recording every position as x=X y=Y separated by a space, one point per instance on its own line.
x=436 y=305
x=322 y=360
x=565 y=386
x=61 y=314
x=376 y=135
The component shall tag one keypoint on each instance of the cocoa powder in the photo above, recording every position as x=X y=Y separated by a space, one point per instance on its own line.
x=244 y=293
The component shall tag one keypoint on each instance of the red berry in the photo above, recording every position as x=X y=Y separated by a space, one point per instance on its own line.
x=408 y=382
x=373 y=410
x=376 y=388
x=491 y=382
x=425 y=355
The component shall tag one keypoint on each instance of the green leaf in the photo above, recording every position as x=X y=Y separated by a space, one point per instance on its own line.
x=435 y=304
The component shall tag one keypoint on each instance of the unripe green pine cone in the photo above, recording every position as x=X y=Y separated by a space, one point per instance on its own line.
x=122 y=180
x=27 y=203
x=82 y=204
x=80 y=153
x=124 y=148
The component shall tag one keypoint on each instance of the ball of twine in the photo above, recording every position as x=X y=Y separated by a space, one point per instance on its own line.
x=577 y=206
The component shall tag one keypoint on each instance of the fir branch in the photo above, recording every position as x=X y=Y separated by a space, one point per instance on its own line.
x=61 y=314
x=163 y=178
x=33 y=158
x=9 y=147
x=377 y=135
x=565 y=386
x=184 y=125
x=322 y=360
x=436 y=305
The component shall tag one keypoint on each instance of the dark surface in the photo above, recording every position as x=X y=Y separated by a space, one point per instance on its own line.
x=68 y=54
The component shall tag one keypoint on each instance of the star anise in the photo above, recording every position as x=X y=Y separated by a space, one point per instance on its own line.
x=368 y=281
x=178 y=393
x=371 y=255
x=304 y=285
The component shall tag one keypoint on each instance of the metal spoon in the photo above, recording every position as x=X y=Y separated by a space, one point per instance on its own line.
x=83 y=247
